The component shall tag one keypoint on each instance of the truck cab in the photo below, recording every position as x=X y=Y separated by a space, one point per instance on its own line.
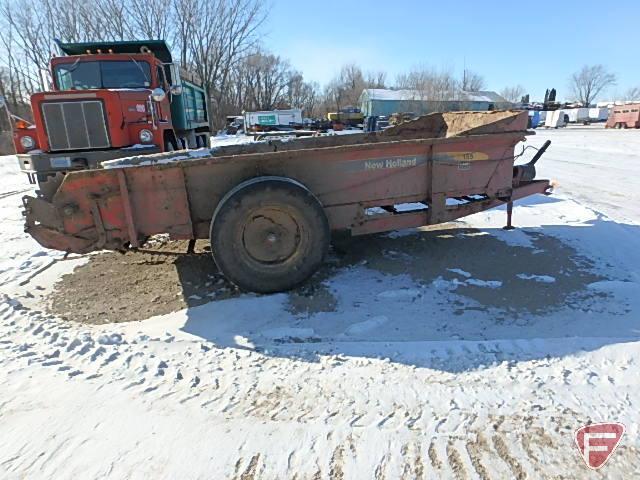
x=110 y=100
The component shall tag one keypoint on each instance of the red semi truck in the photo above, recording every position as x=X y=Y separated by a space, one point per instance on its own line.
x=110 y=100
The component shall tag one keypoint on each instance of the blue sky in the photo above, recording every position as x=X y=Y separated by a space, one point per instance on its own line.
x=537 y=44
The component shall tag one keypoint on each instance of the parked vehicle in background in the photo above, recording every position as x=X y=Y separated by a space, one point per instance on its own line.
x=273 y=120
x=543 y=117
x=556 y=119
x=598 y=114
x=624 y=116
x=534 y=118
x=233 y=124
x=577 y=115
x=346 y=117
x=109 y=99
x=376 y=123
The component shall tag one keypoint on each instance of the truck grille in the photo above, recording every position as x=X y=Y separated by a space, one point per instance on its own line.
x=75 y=125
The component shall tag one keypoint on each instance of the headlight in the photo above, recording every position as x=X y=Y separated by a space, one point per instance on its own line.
x=146 y=136
x=27 y=142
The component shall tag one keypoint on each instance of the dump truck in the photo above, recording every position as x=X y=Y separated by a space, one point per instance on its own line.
x=110 y=100
x=270 y=209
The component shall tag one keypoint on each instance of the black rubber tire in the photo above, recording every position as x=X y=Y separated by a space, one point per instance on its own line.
x=269 y=235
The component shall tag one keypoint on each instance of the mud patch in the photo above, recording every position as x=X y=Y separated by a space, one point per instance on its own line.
x=480 y=266
x=160 y=279
x=314 y=295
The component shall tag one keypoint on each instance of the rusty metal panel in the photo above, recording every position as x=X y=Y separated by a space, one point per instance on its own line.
x=159 y=201
x=79 y=191
x=478 y=165
x=391 y=222
x=207 y=182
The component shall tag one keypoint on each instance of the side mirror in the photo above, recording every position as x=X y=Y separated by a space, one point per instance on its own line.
x=157 y=94
x=176 y=89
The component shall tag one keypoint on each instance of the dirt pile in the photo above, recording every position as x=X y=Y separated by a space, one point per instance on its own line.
x=440 y=125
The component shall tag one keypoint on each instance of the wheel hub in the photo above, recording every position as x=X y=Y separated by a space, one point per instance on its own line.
x=271 y=235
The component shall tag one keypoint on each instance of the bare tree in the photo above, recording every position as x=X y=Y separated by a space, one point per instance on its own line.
x=513 y=94
x=301 y=94
x=346 y=88
x=425 y=83
x=351 y=83
x=114 y=21
x=589 y=82
x=184 y=14
x=472 y=81
x=224 y=32
x=632 y=94
x=265 y=78
x=152 y=17
x=376 y=79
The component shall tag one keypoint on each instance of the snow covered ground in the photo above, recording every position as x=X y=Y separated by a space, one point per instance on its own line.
x=464 y=352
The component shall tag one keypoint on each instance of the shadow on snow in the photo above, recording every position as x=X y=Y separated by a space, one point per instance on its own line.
x=423 y=296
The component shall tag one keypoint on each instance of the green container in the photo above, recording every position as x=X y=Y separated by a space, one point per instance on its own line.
x=189 y=110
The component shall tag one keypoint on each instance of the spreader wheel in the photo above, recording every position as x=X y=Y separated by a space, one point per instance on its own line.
x=269 y=234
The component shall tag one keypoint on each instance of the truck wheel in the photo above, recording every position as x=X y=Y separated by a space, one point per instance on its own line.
x=201 y=141
x=169 y=145
x=269 y=234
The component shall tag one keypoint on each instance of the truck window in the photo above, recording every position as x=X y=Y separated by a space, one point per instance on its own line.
x=125 y=74
x=107 y=74
x=78 y=76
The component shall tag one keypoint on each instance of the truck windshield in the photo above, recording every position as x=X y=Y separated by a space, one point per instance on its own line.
x=107 y=74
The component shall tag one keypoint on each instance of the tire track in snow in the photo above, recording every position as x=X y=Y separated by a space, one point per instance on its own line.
x=455 y=462
x=413 y=468
x=251 y=470
x=433 y=457
x=336 y=466
x=475 y=450
x=298 y=395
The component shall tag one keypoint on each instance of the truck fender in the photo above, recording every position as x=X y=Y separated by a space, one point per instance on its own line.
x=252 y=181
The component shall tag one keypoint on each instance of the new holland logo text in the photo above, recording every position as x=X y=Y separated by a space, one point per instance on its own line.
x=401 y=162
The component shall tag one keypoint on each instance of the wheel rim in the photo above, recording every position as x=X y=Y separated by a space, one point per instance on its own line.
x=271 y=235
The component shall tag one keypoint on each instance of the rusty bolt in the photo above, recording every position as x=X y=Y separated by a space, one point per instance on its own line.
x=69 y=210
